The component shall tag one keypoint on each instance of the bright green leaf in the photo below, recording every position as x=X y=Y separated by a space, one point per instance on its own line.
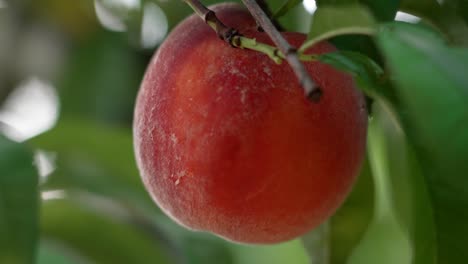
x=431 y=86
x=386 y=240
x=332 y=21
x=18 y=204
x=288 y=252
x=404 y=197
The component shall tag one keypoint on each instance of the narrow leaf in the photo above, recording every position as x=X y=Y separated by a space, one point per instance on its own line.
x=289 y=4
x=332 y=21
x=383 y=10
x=18 y=204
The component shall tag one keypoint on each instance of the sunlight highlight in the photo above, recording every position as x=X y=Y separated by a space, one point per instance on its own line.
x=310 y=6
x=405 y=17
x=53 y=195
x=107 y=18
x=31 y=109
x=113 y=13
x=154 y=26
x=45 y=163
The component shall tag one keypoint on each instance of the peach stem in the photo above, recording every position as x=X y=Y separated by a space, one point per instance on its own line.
x=311 y=89
x=230 y=35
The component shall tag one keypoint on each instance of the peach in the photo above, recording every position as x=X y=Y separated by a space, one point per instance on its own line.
x=226 y=141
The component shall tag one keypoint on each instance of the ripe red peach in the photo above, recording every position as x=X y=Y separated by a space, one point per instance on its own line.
x=226 y=141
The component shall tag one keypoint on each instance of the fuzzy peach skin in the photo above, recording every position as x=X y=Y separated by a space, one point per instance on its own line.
x=226 y=142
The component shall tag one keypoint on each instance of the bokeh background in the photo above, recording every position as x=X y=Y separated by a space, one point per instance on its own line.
x=69 y=74
x=76 y=66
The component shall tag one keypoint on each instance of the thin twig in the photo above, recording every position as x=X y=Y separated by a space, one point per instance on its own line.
x=311 y=89
x=224 y=32
x=285 y=51
x=231 y=35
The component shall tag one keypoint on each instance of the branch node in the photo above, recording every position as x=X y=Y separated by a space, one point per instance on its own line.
x=230 y=37
x=315 y=95
x=291 y=51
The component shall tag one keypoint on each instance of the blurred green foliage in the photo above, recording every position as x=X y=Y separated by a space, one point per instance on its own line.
x=18 y=204
x=410 y=204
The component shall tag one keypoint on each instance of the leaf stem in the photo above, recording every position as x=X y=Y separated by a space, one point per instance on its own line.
x=311 y=89
x=284 y=50
x=253 y=44
x=224 y=32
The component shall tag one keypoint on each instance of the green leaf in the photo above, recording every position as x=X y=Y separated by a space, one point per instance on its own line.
x=288 y=5
x=462 y=8
x=335 y=2
x=94 y=158
x=18 y=204
x=349 y=224
x=332 y=21
x=202 y=248
x=295 y=19
x=431 y=86
x=100 y=80
x=50 y=253
x=98 y=237
x=383 y=10
x=368 y=75
x=386 y=240
x=288 y=252
x=402 y=200
x=99 y=159
x=317 y=244
x=334 y=241
x=450 y=17
x=409 y=190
